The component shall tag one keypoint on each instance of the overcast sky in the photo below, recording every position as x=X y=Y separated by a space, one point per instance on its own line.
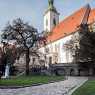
x=33 y=10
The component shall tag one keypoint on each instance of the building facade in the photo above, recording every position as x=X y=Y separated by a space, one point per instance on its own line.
x=60 y=35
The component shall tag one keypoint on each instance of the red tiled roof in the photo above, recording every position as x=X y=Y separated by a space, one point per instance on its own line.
x=91 y=16
x=69 y=25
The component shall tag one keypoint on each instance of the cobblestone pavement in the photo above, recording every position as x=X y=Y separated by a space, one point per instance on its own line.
x=57 y=88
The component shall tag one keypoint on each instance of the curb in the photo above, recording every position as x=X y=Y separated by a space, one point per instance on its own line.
x=76 y=87
x=17 y=87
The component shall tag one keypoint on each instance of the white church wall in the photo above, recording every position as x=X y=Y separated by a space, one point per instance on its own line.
x=48 y=20
x=52 y=17
x=63 y=55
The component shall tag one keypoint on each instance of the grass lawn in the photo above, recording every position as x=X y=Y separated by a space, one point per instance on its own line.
x=87 y=89
x=29 y=80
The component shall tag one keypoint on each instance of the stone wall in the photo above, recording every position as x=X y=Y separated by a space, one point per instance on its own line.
x=70 y=70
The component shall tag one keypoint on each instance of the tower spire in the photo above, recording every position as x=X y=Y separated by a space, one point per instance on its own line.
x=51 y=6
x=51 y=2
x=51 y=17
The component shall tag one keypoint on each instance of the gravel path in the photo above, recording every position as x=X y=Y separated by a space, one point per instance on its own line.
x=57 y=88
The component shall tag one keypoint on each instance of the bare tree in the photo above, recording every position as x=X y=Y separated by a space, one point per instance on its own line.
x=25 y=36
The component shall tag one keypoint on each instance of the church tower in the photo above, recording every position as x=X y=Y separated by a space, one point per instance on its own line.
x=51 y=17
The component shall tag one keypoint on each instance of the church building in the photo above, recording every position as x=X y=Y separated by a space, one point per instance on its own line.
x=59 y=34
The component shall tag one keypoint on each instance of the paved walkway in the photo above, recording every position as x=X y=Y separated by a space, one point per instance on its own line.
x=57 y=88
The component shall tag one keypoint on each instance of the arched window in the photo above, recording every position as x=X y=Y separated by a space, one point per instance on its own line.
x=50 y=60
x=54 y=22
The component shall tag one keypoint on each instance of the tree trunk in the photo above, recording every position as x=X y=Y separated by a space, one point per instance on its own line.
x=27 y=61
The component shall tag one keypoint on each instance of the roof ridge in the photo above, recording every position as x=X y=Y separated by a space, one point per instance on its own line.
x=70 y=24
x=86 y=15
x=86 y=6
